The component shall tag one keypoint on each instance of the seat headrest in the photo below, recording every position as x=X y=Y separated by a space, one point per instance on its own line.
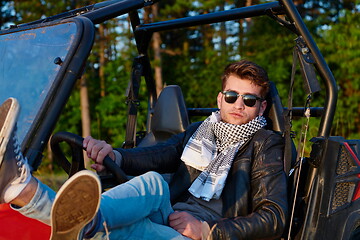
x=170 y=114
x=274 y=112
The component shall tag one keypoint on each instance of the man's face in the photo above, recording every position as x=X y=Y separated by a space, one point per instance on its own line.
x=237 y=112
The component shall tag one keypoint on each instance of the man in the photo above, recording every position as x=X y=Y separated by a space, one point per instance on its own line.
x=232 y=182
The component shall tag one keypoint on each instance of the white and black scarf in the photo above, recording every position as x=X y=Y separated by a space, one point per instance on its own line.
x=212 y=149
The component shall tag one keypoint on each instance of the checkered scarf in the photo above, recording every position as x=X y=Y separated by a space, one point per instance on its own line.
x=212 y=149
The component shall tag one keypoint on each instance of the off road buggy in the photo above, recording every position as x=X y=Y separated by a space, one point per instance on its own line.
x=42 y=60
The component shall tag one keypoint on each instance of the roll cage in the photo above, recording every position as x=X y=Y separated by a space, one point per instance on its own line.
x=321 y=185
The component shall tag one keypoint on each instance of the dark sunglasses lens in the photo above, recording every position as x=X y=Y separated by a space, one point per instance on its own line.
x=230 y=97
x=249 y=100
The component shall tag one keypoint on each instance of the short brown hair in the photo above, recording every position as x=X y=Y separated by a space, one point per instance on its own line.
x=247 y=70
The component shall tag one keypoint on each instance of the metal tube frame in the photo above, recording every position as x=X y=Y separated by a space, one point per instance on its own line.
x=143 y=33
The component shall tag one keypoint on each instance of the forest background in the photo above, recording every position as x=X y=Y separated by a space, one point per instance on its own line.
x=194 y=58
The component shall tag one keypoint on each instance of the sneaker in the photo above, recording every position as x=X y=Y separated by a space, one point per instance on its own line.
x=75 y=205
x=14 y=170
x=8 y=115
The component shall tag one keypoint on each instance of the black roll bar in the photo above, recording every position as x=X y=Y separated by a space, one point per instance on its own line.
x=144 y=31
x=221 y=16
x=283 y=6
x=320 y=65
x=116 y=9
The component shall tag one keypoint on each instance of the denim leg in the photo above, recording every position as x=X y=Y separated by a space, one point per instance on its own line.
x=144 y=229
x=137 y=209
x=40 y=205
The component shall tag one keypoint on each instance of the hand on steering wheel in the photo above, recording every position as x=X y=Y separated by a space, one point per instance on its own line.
x=76 y=143
x=97 y=150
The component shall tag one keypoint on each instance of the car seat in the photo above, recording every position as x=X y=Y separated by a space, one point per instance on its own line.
x=169 y=117
x=275 y=117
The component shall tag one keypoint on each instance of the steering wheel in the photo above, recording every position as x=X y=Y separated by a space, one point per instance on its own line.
x=76 y=144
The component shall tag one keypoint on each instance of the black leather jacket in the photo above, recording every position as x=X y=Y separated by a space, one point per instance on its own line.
x=255 y=194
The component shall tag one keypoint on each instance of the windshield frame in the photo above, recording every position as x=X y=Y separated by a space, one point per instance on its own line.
x=70 y=69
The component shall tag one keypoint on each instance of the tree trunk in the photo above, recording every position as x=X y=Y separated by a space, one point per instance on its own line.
x=151 y=13
x=249 y=3
x=102 y=59
x=223 y=34
x=157 y=53
x=85 y=114
x=242 y=27
x=50 y=158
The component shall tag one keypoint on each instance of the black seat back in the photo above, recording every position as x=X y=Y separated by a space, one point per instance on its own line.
x=274 y=110
x=170 y=116
x=276 y=121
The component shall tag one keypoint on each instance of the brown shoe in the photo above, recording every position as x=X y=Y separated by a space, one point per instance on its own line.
x=75 y=205
x=14 y=169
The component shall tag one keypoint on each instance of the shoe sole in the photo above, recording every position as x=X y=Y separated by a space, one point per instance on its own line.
x=75 y=205
x=8 y=115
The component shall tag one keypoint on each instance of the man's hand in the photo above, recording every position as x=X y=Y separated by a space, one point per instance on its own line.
x=185 y=224
x=97 y=150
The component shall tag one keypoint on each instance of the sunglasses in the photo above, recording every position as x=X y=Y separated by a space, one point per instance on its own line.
x=248 y=99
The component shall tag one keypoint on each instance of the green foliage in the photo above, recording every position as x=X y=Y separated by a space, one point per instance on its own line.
x=341 y=45
x=272 y=49
x=6 y=13
x=110 y=114
x=173 y=9
x=31 y=10
x=200 y=80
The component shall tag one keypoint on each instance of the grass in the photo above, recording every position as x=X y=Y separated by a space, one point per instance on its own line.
x=53 y=180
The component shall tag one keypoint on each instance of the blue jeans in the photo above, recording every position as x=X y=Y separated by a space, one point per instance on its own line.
x=137 y=209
